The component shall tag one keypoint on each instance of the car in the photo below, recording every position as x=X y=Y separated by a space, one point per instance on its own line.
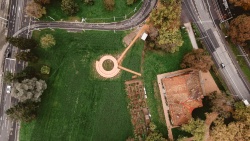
x=8 y=89
x=222 y=65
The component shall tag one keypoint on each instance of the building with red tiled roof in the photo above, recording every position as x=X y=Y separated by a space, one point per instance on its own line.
x=183 y=92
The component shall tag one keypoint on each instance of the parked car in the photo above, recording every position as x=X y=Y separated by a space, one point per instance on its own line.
x=8 y=89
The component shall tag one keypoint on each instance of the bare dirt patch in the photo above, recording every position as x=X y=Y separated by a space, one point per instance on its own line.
x=209 y=83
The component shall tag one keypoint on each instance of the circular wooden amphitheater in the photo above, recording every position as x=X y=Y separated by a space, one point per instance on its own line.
x=105 y=73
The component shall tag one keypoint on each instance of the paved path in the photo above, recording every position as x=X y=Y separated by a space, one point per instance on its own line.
x=191 y=35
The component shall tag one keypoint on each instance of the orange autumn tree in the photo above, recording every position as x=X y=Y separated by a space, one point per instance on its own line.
x=197 y=59
x=240 y=30
x=245 y=4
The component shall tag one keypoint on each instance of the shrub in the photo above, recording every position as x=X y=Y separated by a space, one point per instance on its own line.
x=47 y=41
x=45 y=69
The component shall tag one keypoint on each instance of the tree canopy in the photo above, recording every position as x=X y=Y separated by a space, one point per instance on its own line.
x=196 y=128
x=155 y=136
x=197 y=59
x=26 y=56
x=34 y=9
x=22 y=43
x=245 y=4
x=166 y=18
x=234 y=131
x=238 y=129
x=23 y=111
x=69 y=7
x=29 y=89
x=109 y=4
x=240 y=30
x=8 y=77
x=47 y=41
x=221 y=103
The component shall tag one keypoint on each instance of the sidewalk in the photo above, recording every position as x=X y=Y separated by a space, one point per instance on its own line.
x=191 y=35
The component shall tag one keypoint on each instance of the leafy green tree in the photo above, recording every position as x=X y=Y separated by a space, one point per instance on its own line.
x=155 y=136
x=167 y=20
x=29 y=89
x=197 y=59
x=8 y=77
x=169 y=41
x=23 y=111
x=22 y=43
x=34 y=9
x=69 y=7
x=27 y=73
x=47 y=41
x=196 y=128
x=26 y=56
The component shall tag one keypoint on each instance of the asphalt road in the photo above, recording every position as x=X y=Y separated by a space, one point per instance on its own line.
x=200 y=11
x=17 y=19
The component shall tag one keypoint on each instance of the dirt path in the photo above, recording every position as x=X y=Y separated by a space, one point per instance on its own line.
x=209 y=119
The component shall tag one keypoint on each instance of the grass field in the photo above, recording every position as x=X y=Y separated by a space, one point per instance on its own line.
x=157 y=63
x=78 y=106
x=93 y=13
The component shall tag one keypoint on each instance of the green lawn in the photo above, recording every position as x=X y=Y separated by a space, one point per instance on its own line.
x=94 y=13
x=157 y=63
x=77 y=105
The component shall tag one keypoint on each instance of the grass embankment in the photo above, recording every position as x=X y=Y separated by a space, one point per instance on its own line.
x=93 y=13
x=77 y=105
x=157 y=63
x=241 y=60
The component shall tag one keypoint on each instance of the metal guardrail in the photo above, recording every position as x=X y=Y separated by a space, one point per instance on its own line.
x=245 y=55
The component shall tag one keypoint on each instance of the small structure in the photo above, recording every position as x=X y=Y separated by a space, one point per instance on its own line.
x=144 y=36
